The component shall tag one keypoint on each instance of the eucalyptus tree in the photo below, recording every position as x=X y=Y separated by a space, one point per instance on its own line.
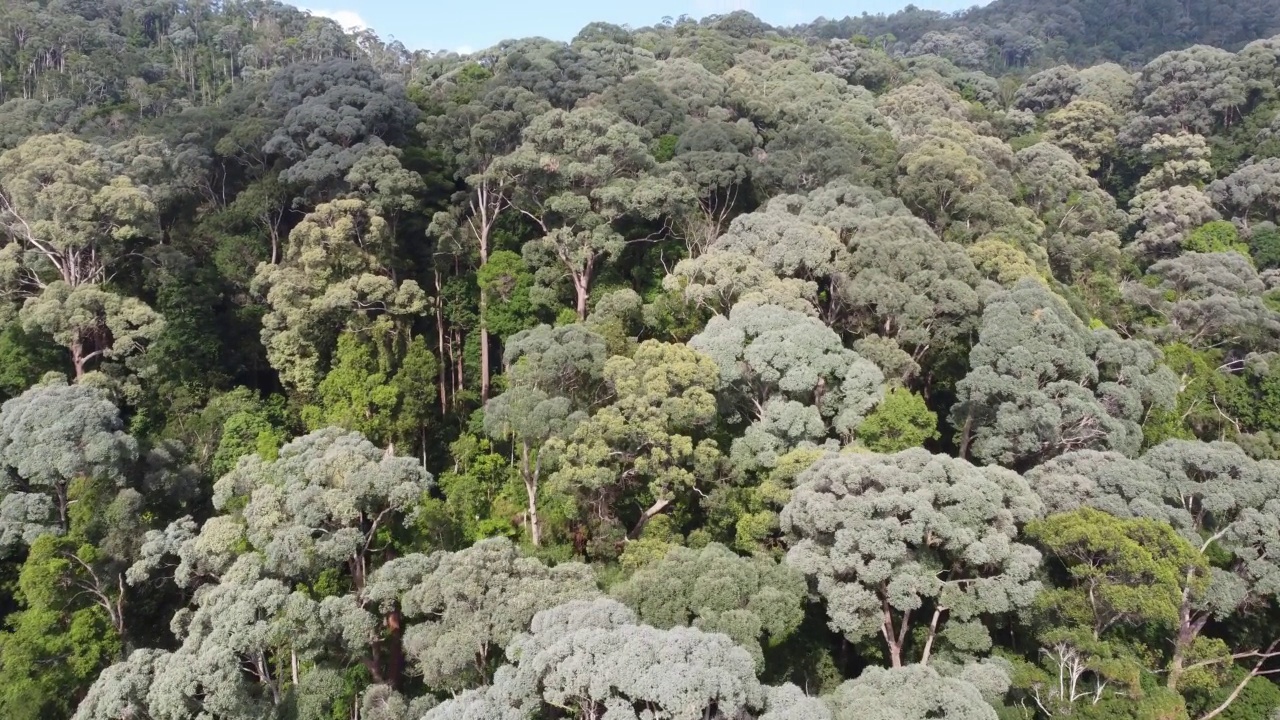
x=782 y=369
x=594 y=658
x=756 y=601
x=336 y=274
x=324 y=513
x=1220 y=501
x=1041 y=383
x=650 y=444
x=332 y=113
x=1206 y=300
x=474 y=135
x=461 y=609
x=581 y=174
x=912 y=545
x=51 y=436
x=554 y=375
x=915 y=692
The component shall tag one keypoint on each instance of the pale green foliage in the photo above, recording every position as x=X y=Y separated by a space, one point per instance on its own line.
x=789 y=702
x=319 y=504
x=63 y=203
x=1085 y=128
x=1181 y=159
x=580 y=172
x=789 y=246
x=50 y=436
x=1042 y=383
x=334 y=275
x=121 y=690
x=767 y=353
x=565 y=361
x=221 y=669
x=902 y=420
x=1206 y=300
x=1252 y=191
x=718 y=281
x=915 y=692
x=882 y=537
x=1109 y=84
x=91 y=322
x=1199 y=88
x=1166 y=217
x=1214 y=495
x=593 y=658
x=1081 y=219
x=1049 y=89
x=651 y=436
x=466 y=606
x=755 y=601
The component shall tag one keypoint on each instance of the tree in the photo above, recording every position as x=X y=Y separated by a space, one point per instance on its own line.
x=651 y=443
x=583 y=173
x=1218 y=499
x=914 y=692
x=335 y=275
x=323 y=513
x=1049 y=90
x=493 y=125
x=50 y=436
x=1200 y=88
x=61 y=201
x=902 y=420
x=755 y=601
x=1123 y=571
x=1251 y=192
x=768 y=353
x=333 y=112
x=888 y=540
x=1041 y=384
x=529 y=417
x=593 y=657
x=91 y=322
x=1206 y=300
x=1085 y=128
x=470 y=604
x=1166 y=217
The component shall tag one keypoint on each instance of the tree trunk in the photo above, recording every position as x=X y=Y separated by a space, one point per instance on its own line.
x=444 y=368
x=933 y=633
x=484 y=325
x=78 y=357
x=580 y=289
x=1188 y=629
x=966 y=435
x=657 y=507
x=531 y=489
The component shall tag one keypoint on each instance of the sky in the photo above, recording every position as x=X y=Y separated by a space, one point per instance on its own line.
x=466 y=25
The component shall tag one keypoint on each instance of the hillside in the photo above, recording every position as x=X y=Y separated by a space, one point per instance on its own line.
x=1016 y=33
x=701 y=371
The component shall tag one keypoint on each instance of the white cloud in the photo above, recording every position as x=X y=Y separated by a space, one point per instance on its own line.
x=464 y=49
x=348 y=19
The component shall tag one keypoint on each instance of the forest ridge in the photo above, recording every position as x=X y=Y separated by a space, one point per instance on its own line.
x=888 y=368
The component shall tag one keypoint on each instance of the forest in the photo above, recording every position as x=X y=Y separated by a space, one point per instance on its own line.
x=895 y=367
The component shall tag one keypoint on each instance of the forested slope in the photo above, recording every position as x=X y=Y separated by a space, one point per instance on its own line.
x=699 y=371
x=1017 y=33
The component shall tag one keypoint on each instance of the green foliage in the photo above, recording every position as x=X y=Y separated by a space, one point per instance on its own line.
x=684 y=302
x=24 y=358
x=902 y=420
x=1217 y=236
x=1264 y=245
x=1120 y=572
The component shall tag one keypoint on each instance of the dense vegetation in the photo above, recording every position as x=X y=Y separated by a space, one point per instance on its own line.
x=882 y=369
